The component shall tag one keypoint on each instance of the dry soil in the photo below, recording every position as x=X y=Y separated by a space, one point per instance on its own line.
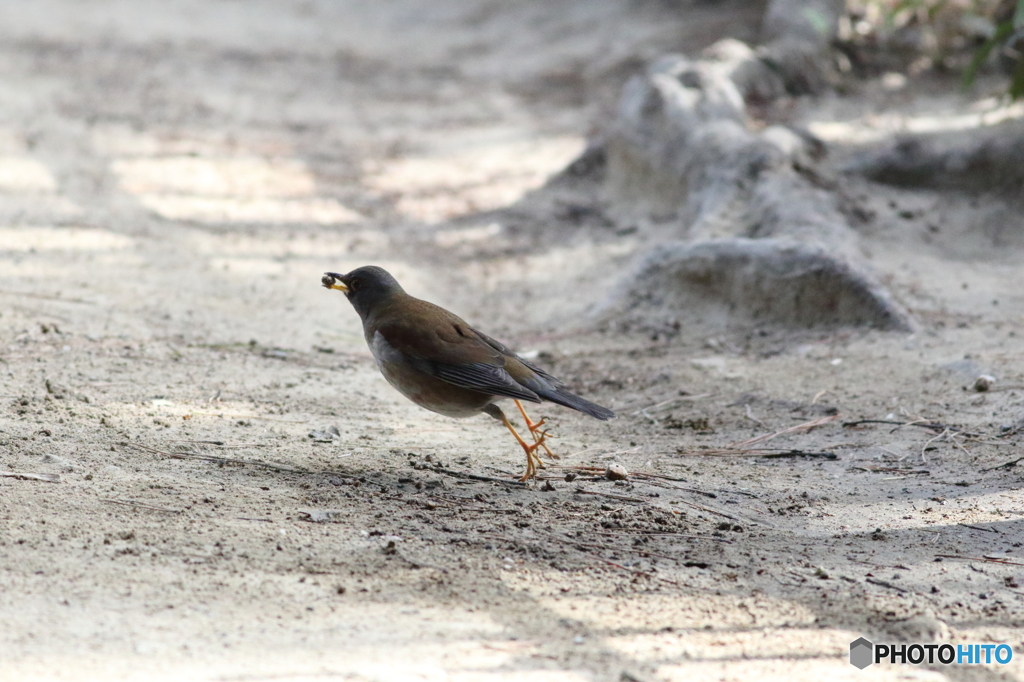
x=174 y=178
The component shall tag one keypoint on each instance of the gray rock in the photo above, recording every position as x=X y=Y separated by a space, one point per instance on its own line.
x=757 y=281
x=765 y=239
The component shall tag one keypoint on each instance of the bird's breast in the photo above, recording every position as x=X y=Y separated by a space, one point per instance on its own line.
x=425 y=390
x=383 y=352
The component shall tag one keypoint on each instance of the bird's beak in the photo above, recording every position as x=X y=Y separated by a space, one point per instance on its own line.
x=332 y=280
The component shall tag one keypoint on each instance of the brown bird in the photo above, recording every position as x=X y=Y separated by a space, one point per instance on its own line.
x=441 y=363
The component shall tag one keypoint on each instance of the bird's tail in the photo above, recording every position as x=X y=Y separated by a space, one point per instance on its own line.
x=563 y=397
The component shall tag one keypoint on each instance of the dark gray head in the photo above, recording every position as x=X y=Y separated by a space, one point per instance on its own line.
x=366 y=287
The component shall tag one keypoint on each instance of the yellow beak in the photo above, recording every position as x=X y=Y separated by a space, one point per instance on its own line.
x=331 y=281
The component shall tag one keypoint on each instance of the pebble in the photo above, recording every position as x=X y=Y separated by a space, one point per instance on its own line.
x=616 y=472
x=983 y=383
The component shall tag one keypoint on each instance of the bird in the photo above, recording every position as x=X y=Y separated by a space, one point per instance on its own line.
x=441 y=363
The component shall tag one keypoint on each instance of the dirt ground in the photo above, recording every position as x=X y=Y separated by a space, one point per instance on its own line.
x=174 y=178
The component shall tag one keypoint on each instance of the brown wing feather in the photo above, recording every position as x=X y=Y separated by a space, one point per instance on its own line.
x=429 y=332
x=441 y=344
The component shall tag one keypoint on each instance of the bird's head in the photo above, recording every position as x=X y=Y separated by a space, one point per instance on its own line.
x=366 y=287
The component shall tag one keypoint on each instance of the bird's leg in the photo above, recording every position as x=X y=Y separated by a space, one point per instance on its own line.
x=537 y=430
x=532 y=460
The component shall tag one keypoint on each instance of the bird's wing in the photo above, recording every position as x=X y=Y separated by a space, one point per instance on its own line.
x=439 y=343
x=543 y=384
x=505 y=351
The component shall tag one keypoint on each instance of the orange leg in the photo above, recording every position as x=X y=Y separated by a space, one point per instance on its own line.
x=532 y=460
x=537 y=430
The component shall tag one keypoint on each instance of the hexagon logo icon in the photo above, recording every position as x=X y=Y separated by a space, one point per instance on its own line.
x=861 y=653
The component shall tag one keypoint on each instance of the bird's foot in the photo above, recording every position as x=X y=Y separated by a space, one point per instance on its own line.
x=533 y=462
x=537 y=431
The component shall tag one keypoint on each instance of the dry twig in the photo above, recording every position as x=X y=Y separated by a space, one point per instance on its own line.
x=49 y=478
x=141 y=505
x=233 y=460
x=985 y=559
x=806 y=426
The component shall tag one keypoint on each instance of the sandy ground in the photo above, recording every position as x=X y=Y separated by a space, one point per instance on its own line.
x=174 y=177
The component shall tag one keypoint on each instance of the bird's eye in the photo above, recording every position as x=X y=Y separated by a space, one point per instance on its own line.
x=354 y=285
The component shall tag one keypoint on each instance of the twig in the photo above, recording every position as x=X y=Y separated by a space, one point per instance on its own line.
x=232 y=460
x=872 y=563
x=1007 y=465
x=893 y=470
x=714 y=511
x=141 y=505
x=751 y=417
x=616 y=452
x=49 y=478
x=1014 y=429
x=249 y=416
x=931 y=440
x=921 y=423
x=624 y=498
x=458 y=505
x=884 y=583
x=695 y=491
x=476 y=477
x=987 y=530
x=806 y=426
x=751 y=452
x=957 y=444
x=926 y=425
x=45 y=297
x=219 y=443
x=636 y=474
x=647 y=533
x=985 y=559
x=641 y=552
x=741 y=492
x=677 y=399
x=800 y=453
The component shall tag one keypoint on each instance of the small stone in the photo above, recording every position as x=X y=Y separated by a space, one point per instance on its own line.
x=983 y=383
x=616 y=472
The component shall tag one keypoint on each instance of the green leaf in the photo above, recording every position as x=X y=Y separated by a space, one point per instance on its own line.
x=1003 y=31
x=1016 y=89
